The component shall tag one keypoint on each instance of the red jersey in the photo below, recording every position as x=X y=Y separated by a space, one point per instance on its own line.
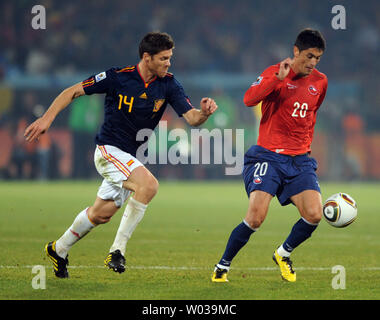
x=289 y=109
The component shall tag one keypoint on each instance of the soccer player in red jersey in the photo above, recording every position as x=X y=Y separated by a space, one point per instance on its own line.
x=280 y=164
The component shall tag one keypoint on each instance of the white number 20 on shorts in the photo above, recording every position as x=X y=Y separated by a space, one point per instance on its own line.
x=260 y=169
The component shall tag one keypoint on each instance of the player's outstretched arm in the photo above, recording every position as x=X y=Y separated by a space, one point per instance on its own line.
x=41 y=125
x=196 y=117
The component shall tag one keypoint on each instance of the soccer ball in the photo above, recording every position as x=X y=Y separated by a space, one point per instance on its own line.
x=340 y=210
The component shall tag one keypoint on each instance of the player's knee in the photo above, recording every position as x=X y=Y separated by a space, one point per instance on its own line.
x=316 y=218
x=154 y=186
x=150 y=187
x=255 y=223
x=313 y=215
x=255 y=217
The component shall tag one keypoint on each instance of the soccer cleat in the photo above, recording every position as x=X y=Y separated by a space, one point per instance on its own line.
x=59 y=264
x=115 y=261
x=285 y=264
x=219 y=275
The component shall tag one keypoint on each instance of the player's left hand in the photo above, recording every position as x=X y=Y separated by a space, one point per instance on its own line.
x=208 y=106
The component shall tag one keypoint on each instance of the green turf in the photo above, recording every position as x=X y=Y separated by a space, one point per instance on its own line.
x=183 y=234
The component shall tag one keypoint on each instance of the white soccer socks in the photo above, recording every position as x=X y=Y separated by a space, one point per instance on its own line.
x=80 y=227
x=282 y=252
x=134 y=212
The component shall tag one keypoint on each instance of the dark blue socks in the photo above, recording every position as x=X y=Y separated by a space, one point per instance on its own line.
x=238 y=238
x=301 y=231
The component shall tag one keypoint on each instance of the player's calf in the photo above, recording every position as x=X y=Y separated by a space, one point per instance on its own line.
x=133 y=214
x=102 y=211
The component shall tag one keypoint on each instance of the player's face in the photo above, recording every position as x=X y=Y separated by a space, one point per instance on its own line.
x=306 y=60
x=159 y=63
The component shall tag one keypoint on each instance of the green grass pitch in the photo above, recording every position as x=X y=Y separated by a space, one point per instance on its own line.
x=183 y=234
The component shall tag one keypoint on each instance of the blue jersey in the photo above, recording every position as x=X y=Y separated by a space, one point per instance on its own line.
x=131 y=104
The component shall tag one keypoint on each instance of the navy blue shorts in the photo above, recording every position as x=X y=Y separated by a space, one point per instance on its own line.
x=280 y=175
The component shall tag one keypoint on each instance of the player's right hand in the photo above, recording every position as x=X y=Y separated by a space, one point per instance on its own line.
x=208 y=106
x=38 y=127
x=284 y=68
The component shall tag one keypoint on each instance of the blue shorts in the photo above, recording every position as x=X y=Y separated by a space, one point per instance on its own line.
x=278 y=174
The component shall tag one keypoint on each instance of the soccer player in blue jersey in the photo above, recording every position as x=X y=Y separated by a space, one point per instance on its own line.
x=135 y=98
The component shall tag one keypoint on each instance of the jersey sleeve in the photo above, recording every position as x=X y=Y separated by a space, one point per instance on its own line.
x=262 y=87
x=99 y=83
x=177 y=98
x=323 y=94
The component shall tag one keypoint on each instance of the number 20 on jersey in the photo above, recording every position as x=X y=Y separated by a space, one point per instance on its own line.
x=299 y=110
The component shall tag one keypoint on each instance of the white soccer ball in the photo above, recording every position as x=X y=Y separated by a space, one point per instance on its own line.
x=340 y=210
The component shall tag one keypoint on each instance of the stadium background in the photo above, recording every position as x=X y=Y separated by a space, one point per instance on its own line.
x=221 y=48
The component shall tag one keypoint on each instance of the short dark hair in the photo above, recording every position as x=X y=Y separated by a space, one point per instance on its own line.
x=309 y=38
x=155 y=42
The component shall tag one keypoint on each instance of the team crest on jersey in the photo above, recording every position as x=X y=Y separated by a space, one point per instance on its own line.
x=258 y=81
x=100 y=76
x=158 y=104
x=312 y=90
x=257 y=180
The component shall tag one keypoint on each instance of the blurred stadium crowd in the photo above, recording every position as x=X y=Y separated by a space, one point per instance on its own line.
x=215 y=40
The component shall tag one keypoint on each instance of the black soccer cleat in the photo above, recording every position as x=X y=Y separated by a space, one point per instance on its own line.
x=115 y=261
x=59 y=264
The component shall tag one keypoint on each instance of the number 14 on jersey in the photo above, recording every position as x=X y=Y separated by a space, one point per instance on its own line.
x=124 y=100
